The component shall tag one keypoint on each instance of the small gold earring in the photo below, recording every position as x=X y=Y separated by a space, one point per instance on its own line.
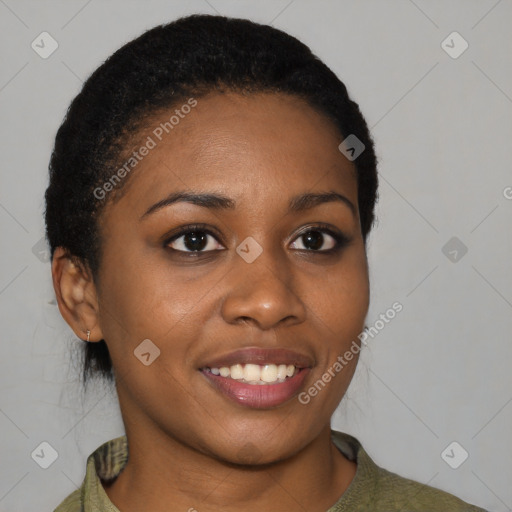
x=88 y=335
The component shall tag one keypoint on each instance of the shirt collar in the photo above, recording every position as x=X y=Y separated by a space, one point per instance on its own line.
x=104 y=464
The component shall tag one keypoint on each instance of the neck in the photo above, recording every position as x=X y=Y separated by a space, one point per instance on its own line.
x=162 y=471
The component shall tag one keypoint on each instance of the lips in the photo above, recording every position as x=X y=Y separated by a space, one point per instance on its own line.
x=260 y=394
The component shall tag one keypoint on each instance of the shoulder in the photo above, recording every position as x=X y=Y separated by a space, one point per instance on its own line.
x=375 y=488
x=105 y=463
x=73 y=503
x=398 y=493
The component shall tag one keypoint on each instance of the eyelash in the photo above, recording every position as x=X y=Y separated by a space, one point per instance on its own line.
x=340 y=239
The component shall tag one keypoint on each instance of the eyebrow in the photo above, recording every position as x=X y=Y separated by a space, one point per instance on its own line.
x=220 y=202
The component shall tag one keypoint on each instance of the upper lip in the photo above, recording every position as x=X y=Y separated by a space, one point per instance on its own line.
x=261 y=356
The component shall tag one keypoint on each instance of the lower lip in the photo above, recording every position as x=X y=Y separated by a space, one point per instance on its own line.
x=259 y=396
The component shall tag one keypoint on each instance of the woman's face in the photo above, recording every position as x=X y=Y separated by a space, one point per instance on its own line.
x=260 y=282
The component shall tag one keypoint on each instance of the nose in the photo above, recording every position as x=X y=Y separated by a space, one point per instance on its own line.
x=262 y=292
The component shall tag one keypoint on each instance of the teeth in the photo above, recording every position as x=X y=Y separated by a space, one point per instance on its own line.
x=256 y=374
x=281 y=371
x=237 y=372
x=252 y=372
x=269 y=373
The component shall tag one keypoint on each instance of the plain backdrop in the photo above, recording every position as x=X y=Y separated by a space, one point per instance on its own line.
x=440 y=113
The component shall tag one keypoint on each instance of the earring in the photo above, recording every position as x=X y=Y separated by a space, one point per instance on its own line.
x=88 y=335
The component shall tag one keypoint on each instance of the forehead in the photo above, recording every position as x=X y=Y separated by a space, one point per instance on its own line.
x=256 y=144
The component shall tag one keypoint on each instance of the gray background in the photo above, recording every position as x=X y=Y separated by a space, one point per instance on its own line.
x=439 y=372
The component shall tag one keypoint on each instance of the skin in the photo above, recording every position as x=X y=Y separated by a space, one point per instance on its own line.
x=190 y=446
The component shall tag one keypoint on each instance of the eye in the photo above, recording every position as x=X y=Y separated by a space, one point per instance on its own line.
x=319 y=240
x=194 y=240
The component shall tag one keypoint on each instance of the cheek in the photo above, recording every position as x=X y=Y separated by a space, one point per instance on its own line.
x=341 y=300
x=340 y=305
x=148 y=298
x=141 y=301
x=341 y=309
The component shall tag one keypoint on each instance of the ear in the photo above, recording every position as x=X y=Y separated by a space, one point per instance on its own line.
x=76 y=295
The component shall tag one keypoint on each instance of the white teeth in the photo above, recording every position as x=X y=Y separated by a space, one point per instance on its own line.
x=237 y=371
x=281 y=372
x=252 y=372
x=256 y=374
x=269 y=373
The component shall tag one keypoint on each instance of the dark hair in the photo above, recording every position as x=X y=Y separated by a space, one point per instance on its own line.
x=191 y=56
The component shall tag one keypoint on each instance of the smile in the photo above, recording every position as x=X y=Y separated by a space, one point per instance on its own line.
x=259 y=378
x=256 y=374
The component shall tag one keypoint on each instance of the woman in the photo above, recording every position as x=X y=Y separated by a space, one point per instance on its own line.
x=211 y=191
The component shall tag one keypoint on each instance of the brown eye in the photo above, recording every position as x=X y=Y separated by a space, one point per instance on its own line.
x=194 y=241
x=317 y=240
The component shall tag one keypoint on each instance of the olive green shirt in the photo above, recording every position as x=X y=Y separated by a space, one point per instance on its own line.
x=372 y=488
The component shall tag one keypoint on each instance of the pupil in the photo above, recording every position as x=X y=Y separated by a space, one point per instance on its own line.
x=197 y=241
x=314 y=238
